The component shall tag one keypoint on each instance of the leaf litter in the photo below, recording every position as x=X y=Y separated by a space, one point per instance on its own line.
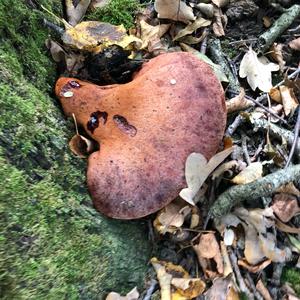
x=218 y=258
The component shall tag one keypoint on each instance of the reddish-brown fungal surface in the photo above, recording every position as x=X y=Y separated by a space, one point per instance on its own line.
x=146 y=129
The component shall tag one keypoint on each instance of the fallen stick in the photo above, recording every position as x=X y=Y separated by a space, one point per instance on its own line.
x=266 y=40
x=263 y=187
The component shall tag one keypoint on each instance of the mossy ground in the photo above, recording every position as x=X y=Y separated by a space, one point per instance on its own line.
x=117 y=12
x=53 y=245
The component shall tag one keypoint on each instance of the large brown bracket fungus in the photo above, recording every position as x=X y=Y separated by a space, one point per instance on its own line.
x=146 y=129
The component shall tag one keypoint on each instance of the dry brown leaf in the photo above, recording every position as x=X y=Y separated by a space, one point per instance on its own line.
x=275 y=95
x=267 y=21
x=295 y=44
x=76 y=10
x=289 y=100
x=257 y=70
x=220 y=3
x=286 y=228
x=289 y=189
x=238 y=102
x=285 y=206
x=81 y=146
x=206 y=8
x=263 y=290
x=197 y=170
x=151 y=35
x=208 y=248
x=189 y=287
x=276 y=53
x=255 y=268
x=218 y=27
x=172 y=217
x=132 y=295
x=249 y=174
x=175 y=10
x=190 y=28
x=222 y=289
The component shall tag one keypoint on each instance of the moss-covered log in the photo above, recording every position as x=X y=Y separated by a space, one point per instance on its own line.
x=53 y=245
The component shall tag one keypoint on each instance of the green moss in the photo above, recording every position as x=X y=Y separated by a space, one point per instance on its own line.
x=117 y=12
x=292 y=276
x=229 y=49
x=53 y=245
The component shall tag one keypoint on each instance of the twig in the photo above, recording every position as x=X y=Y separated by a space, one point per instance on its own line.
x=266 y=109
x=218 y=57
x=238 y=275
x=296 y=135
x=262 y=187
x=53 y=26
x=279 y=26
x=245 y=150
x=254 y=290
x=234 y=125
x=295 y=73
x=150 y=290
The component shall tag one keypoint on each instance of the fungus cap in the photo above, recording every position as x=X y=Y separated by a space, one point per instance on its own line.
x=146 y=129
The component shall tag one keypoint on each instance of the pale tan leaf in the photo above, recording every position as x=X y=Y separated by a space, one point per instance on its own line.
x=221 y=289
x=238 y=102
x=132 y=295
x=189 y=287
x=263 y=290
x=276 y=53
x=285 y=206
x=295 y=44
x=220 y=3
x=200 y=22
x=257 y=70
x=197 y=170
x=289 y=189
x=152 y=34
x=76 y=12
x=289 y=101
x=249 y=174
x=217 y=26
x=206 y=8
x=175 y=10
x=286 y=228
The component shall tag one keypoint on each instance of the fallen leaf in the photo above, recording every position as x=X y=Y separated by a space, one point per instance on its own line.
x=238 y=102
x=267 y=21
x=221 y=289
x=99 y=3
x=285 y=206
x=208 y=248
x=289 y=189
x=200 y=22
x=216 y=68
x=189 y=287
x=132 y=295
x=276 y=53
x=197 y=170
x=257 y=70
x=289 y=100
x=151 y=34
x=233 y=164
x=275 y=95
x=220 y=3
x=251 y=173
x=295 y=44
x=263 y=290
x=206 y=8
x=95 y=36
x=172 y=217
x=76 y=10
x=175 y=10
x=286 y=228
x=217 y=26
x=254 y=268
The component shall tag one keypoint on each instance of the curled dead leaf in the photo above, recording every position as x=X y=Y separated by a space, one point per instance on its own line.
x=289 y=100
x=238 y=102
x=189 y=287
x=249 y=174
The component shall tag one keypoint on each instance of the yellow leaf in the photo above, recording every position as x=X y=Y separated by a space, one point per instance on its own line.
x=249 y=174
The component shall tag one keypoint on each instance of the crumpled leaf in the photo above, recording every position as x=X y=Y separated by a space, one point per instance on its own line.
x=289 y=100
x=206 y=8
x=260 y=243
x=175 y=10
x=189 y=288
x=238 y=102
x=73 y=62
x=172 y=217
x=219 y=23
x=276 y=53
x=285 y=206
x=76 y=10
x=190 y=28
x=257 y=70
x=197 y=169
x=95 y=36
x=295 y=44
x=249 y=174
x=150 y=35
x=132 y=295
x=208 y=248
x=222 y=289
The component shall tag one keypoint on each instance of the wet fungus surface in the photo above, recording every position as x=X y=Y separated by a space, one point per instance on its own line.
x=146 y=129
